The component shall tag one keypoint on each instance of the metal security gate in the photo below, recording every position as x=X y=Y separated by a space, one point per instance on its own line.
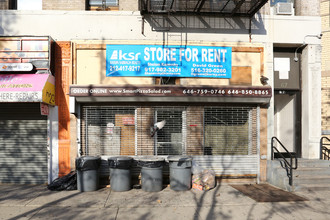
x=218 y=133
x=23 y=144
x=170 y=140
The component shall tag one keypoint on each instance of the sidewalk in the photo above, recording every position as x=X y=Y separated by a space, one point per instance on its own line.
x=222 y=202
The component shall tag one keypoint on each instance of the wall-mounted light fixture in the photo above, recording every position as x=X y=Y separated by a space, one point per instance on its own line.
x=319 y=36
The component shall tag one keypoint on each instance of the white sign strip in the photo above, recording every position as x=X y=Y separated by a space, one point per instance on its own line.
x=6 y=67
x=21 y=96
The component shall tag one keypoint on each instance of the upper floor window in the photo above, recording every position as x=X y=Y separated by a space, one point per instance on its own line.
x=27 y=5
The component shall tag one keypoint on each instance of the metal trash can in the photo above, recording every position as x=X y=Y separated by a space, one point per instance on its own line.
x=120 y=173
x=151 y=173
x=180 y=172
x=87 y=173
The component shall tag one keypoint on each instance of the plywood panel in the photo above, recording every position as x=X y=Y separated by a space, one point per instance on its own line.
x=241 y=75
x=127 y=137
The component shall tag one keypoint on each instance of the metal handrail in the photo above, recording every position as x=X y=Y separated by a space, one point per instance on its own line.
x=289 y=164
x=324 y=151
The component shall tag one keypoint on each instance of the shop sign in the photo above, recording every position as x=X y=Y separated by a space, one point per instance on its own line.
x=48 y=93
x=27 y=88
x=128 y=121
x=163 y=91
x=5 y=67
x=168 y=61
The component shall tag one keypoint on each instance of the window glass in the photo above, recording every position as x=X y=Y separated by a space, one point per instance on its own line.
x=29 y=4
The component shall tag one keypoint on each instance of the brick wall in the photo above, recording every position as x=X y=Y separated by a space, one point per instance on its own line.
x=324 y=11
x=128 y=5
x=62 y=82
x=63 y=5
x=326 y=36
x=195 y=132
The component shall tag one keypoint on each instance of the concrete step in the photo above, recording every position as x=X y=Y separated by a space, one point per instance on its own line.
x=310 y=174
x=312 y=187
x=311 y=179
x=313 y=163
x=313 y=171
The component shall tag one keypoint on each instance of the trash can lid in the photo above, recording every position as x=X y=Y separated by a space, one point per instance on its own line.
x=88 y=163
x=85 y=158
x=151 y=162
x=120 y=158
x=179 y=158
x=152 y=159
x=121 y=162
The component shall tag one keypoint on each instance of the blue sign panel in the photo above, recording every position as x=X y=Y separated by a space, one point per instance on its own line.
x=168 y=61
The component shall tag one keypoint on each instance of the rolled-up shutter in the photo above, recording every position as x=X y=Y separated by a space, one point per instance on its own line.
x=23 y=144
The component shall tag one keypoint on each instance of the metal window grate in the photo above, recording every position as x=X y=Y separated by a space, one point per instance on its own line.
x=189 y=130
x=230 y=131
x=108 y=130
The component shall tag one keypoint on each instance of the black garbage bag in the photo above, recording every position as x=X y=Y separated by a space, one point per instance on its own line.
x=120 y=162
x=85 y=163
x=151 y=162
x=67 y=182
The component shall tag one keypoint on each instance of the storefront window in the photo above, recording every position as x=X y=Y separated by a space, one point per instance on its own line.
x=185 y=130
x=227 y=130
x=109 y=130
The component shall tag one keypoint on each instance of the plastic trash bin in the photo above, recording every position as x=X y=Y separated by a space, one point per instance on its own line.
x=151 y=173
x=120 y=173
x=87 y=173
x=180 y=172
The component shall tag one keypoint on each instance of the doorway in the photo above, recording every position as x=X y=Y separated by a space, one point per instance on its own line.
x=287 y=121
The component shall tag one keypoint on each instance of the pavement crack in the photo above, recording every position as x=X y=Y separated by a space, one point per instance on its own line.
x=106 y=201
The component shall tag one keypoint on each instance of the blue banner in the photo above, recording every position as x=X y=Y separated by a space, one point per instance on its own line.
x=168 y=61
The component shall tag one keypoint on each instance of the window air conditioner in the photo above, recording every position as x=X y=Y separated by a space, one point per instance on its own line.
x=284 y=8
x=104 y=3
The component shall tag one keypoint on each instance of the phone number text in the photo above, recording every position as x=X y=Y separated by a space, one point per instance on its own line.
x=226 y=91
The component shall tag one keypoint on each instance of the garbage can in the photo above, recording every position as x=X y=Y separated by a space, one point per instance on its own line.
x=87 y=173
x=120 y=173
x=151 y=173
x=180 y=172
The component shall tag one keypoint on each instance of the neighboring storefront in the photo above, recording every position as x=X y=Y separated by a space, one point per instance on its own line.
x=27 y=100
x=211 y=98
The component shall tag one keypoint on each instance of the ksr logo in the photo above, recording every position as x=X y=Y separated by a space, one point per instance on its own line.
x=119 y=55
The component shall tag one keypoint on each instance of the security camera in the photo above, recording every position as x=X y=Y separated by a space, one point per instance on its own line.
x=295 y=59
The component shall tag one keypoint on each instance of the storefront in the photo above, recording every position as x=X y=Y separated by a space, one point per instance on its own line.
x=27 y=112
x=212 y=111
